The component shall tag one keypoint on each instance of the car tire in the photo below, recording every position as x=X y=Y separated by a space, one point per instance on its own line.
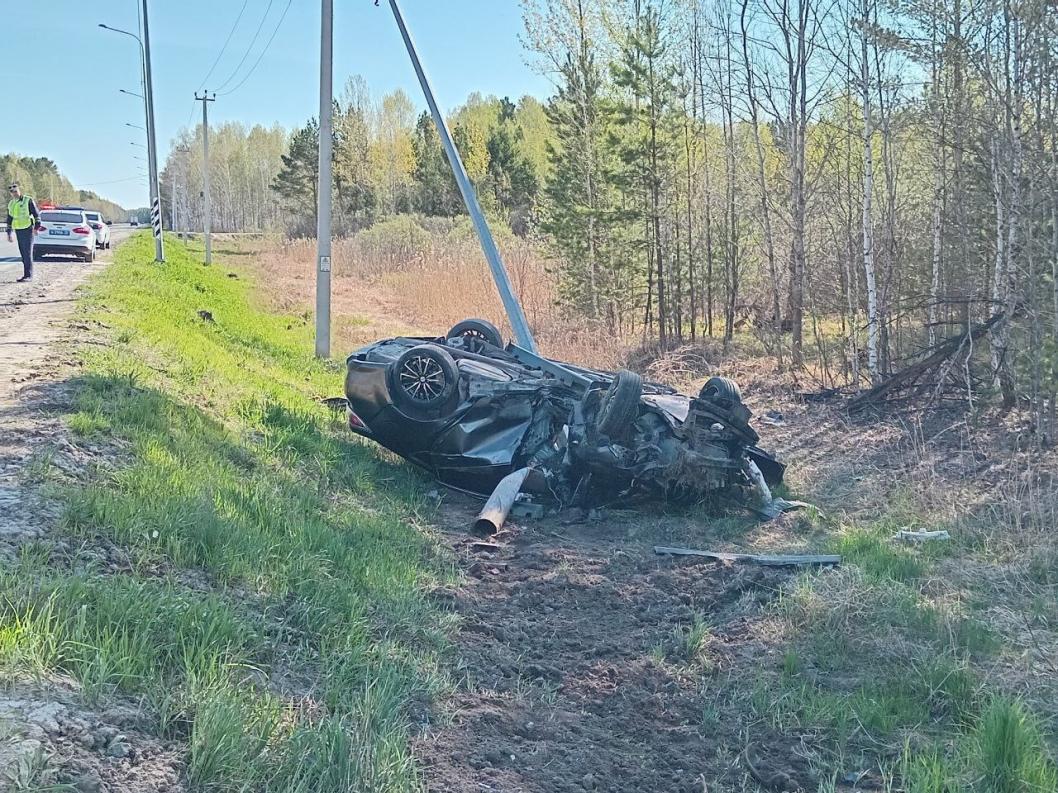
x=90 y=256
x=721 y=391
x=424 y=379
x=620 y=405
x=475 y=332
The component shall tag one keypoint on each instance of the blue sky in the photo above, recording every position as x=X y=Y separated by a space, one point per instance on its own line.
x=466 y=45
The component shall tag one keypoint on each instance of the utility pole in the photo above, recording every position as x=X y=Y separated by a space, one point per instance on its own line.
x=177 y=169
x=323 y=210
x=152 y=152
x=205 y=99
x=515 y=314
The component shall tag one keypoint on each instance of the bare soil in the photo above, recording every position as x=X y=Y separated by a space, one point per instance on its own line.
x=574 y=674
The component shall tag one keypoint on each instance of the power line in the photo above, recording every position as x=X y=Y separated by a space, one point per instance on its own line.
x=253 y=41
x=259 y=57
x=112 y=181
x=226 y=42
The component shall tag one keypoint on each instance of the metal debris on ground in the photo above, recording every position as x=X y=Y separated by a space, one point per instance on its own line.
x=921 y=535
x=767 y=560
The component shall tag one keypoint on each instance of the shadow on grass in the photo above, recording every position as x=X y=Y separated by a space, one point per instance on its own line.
x=315 y=574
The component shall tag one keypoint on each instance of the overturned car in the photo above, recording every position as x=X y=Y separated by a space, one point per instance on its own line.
x=471 y=411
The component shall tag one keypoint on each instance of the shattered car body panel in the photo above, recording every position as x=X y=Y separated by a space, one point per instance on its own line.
x=471 y=412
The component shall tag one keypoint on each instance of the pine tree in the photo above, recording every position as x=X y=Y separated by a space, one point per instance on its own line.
x=575 y=192
x=298 y=180
x=647 y=144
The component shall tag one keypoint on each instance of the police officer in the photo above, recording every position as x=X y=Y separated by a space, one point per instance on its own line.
x=22 y=221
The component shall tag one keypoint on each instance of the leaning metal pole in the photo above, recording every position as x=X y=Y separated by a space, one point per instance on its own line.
x=488 y=244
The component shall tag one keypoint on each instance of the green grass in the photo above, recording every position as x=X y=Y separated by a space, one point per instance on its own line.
x=275 y=616
x=881 y=653
x=1004 y=752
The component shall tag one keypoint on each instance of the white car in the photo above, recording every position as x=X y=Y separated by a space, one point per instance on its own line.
x=101 y=228
x=65 y=231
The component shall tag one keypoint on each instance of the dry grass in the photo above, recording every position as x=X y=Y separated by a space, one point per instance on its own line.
x=402 y=278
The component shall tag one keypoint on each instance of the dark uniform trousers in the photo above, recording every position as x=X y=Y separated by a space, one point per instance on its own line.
x=25 y=249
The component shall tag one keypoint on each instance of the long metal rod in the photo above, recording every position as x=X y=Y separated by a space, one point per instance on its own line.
x=323 y=210
x=152 y=153
x=499 y=273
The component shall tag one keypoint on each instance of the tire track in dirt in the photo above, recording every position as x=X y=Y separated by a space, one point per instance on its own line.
x=574 y=665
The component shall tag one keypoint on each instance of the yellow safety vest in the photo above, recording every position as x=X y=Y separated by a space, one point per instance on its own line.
x=18 y=209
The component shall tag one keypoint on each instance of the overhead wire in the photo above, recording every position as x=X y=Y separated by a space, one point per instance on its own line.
x=112 y=181
x=268 y=44
x=224 y=48
x=249 y=49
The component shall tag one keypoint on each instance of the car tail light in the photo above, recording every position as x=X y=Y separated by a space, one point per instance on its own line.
x=356 y=424
x=97 y=225
x=81 y=230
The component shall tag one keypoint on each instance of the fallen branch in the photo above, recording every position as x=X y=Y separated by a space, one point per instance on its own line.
x=941 y=353
x=768 y=560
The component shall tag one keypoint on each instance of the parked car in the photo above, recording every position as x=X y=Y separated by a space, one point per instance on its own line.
x=101 y=228
x=66 y=232
x=471 y=411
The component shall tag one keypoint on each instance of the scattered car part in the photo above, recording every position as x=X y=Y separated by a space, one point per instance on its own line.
x=767 y=560
x=496 y=509
x=921 y=535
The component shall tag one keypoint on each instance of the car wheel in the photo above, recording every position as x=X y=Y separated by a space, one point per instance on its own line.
x=90 y=256
x=722 y=391
x=424 y=378
x=620 y=405
x=475 y=333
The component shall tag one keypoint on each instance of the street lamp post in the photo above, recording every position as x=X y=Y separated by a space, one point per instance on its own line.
x=148 y=108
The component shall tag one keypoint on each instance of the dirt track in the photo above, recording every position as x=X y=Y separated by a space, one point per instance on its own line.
x=575 y=671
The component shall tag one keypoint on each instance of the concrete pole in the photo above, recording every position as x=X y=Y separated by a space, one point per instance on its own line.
x=323 y=210
x=152 y=152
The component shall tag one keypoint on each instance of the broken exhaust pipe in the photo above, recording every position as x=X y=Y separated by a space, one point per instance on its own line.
x=492 y=516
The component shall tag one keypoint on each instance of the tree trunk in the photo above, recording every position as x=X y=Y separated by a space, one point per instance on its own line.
x=868 y=196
